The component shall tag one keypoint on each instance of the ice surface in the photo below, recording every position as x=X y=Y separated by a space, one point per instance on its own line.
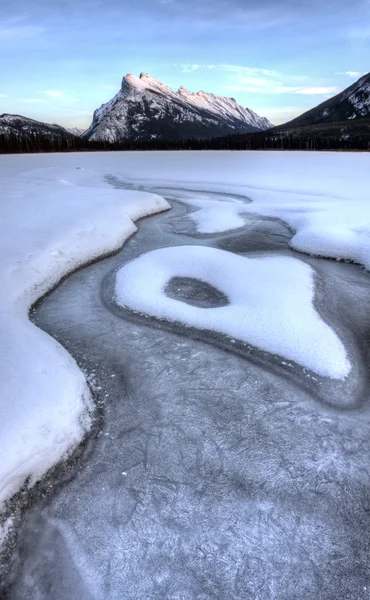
x=213 y=474
x=322 y=196
x=52 y=221
x=270 y=302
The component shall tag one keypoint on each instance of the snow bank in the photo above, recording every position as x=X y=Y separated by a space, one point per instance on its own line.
x=322 y=196
x=52 y=221
x=332 y=228
x=270 y=302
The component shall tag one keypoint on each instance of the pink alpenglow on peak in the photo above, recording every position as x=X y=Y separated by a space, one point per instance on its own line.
x=146 y=108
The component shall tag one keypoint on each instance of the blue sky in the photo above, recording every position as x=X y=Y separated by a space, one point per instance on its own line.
x=61 y=59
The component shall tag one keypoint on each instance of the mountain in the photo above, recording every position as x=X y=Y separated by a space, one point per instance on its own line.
x=145 y=108
x=352 y=103
x=21 y=134
x=19 y=126
x=75 y=131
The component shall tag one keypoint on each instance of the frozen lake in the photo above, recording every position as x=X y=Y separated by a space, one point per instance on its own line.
x=215 y=469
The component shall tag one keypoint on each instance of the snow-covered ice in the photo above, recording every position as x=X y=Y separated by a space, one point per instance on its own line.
x=51 y=222
x=270 y=302
x=56 y=217
x=334 y=227
x=207 y=465
x=322 y=196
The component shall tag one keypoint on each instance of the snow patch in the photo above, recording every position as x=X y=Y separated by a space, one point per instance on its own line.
x=270 y=302
x=52 y=221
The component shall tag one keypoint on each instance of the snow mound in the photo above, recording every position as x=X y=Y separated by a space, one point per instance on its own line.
x=217 y=216
x=270 y=302
x=52 y=221
x=333 y=228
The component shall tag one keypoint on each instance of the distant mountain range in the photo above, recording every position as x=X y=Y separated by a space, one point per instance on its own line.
x=76 y=131
x=146 y=108
x=18 y=126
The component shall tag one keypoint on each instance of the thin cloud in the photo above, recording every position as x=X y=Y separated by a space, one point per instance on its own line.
x=191 y=68
x=258 y=80
x=237 y=69
x=53 y=93
x=241 y=70
x=60 y=97
x=271 y=88
x=252 y=79
x=313 y=91
x=3 y=96
x=353 y=74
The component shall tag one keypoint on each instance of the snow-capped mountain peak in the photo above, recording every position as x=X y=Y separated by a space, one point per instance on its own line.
x=146 y=108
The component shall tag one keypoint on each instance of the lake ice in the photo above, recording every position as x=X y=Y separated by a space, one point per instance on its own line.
x=216 y=466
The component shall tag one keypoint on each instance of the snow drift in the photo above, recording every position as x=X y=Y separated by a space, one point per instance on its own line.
x=270 y=302
x=52 y=221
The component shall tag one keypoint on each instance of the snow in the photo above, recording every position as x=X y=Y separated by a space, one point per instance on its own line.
x=359 y=96
x=332 y=228
x=216 y=216
x=53 y=220
x=55 y=217
x=113 y=120
x=213 y=445
x=323 y=197
x=219 y=105
x=270 y=302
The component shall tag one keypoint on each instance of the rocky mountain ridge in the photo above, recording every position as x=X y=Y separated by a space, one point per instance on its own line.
x=145 y=108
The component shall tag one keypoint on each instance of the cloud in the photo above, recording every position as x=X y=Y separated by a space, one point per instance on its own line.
x=313 y=91
x=191 y=68
x=238 y=69
x=264 y=86
x=59 y=96
x=241 y=70
x=3 y=96
x=262 y=81
x=53 y=93
x=354 y=74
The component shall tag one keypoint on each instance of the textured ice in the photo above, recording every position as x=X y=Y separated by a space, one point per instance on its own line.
x=212 y=474
x=323 y=197
x=52 y=221
x=270 y=302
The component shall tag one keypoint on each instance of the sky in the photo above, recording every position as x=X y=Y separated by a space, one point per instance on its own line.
x=61 y=59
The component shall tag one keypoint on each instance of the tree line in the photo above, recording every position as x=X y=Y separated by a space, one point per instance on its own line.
x=45 y=142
